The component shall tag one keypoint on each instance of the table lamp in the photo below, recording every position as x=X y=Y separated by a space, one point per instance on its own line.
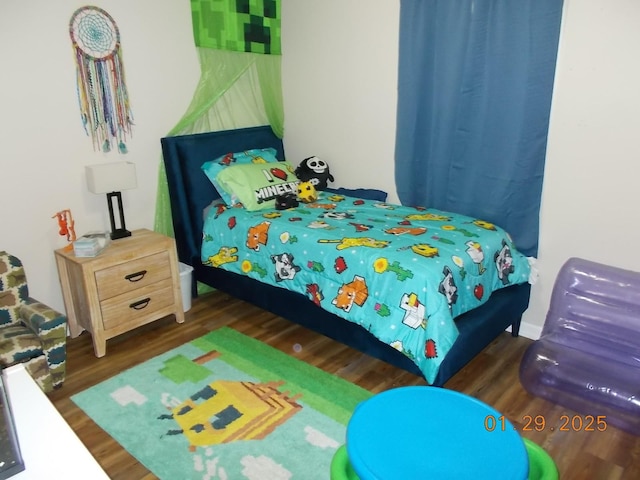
x=112 y=178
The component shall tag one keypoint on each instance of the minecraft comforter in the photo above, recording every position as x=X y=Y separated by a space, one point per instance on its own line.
x=402 y=273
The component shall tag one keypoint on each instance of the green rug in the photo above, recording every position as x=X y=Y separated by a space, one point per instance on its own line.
x=226 y=406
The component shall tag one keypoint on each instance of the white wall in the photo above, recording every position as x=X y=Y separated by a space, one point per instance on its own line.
x=339 y=69
x=339 y=76
x=44 y=148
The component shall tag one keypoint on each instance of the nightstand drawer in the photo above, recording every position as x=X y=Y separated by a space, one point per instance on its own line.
x=131 y=307
x=128 y=276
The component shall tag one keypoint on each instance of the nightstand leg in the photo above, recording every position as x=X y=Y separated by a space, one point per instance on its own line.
x=99 y=344
x=72 y=319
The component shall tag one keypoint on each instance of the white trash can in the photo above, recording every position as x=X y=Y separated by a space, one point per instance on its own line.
x=186 y=274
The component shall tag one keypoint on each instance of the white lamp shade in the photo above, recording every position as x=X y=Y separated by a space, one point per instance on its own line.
x=111 y=177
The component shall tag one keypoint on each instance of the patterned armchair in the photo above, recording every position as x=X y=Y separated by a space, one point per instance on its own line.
x=30 y=332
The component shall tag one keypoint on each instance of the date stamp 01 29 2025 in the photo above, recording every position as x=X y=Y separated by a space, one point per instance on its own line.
x=538 y=423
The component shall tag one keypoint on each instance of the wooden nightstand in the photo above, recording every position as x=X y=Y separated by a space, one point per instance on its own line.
x=134 y=281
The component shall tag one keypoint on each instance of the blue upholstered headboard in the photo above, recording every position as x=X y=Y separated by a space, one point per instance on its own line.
x=190 y=191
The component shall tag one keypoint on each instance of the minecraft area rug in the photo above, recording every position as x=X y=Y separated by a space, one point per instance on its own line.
x=226 y=406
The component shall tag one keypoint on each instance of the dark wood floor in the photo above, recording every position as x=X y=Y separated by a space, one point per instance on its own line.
x=491 y=377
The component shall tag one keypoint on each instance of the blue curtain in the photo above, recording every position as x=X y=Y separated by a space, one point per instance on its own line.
x=475 y=83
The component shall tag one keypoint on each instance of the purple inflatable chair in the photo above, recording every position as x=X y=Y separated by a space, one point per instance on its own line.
x=588 y=356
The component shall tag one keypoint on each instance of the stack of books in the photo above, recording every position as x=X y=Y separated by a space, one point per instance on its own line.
x=91 y=244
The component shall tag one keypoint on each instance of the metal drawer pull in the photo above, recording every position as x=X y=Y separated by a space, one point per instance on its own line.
x=140 y=304
x=136 y=277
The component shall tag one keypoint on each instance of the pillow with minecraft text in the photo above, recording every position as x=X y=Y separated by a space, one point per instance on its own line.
x=255 y=156
x=256 y=186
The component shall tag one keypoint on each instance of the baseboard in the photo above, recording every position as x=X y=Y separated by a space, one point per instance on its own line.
x=529 y=330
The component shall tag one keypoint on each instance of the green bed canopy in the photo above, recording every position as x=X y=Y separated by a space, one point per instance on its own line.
x=238 y=44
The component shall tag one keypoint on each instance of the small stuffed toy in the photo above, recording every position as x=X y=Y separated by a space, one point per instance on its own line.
x=307 y=192
x=286 y=201
x=314 y=170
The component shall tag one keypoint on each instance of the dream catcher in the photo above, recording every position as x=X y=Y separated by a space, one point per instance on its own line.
x=102 y=93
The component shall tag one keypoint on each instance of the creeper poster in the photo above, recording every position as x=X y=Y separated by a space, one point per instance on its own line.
x=237 y=25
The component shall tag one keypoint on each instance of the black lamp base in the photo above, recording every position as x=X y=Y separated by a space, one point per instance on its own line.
x=120 y=233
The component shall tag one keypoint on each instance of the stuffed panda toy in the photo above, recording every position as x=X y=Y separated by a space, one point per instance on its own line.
x=314 y=170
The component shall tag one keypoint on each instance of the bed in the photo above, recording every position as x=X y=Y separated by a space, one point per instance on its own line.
x=193 y=198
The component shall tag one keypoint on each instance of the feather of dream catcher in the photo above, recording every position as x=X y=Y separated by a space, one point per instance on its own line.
x=102 y=92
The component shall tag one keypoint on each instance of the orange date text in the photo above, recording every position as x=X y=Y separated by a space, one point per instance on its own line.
x=538 y=423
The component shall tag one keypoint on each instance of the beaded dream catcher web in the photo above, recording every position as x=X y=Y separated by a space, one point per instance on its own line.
x=102 y=93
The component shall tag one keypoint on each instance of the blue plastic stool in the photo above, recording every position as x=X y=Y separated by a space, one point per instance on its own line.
x=430 y=432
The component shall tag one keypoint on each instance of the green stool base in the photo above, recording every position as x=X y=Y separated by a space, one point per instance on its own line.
x=341 y=469
x=541 y=465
